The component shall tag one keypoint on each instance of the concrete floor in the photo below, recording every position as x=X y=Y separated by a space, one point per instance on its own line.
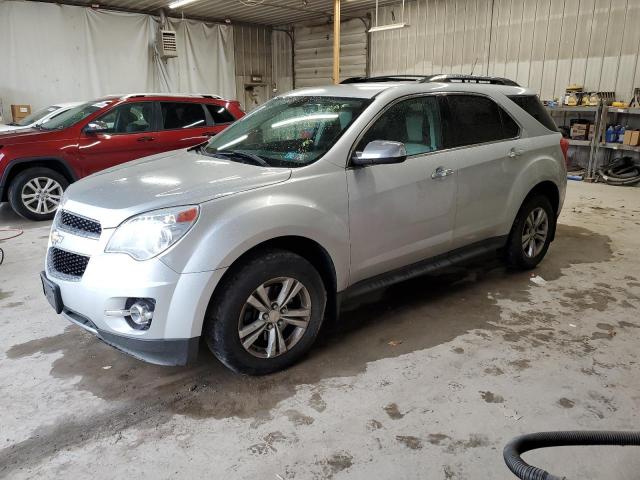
x=428 y=379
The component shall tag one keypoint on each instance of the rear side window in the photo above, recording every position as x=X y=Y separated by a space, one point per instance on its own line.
x=220 y=114
x=532 y=105
x=182 y=115
x=471 y=119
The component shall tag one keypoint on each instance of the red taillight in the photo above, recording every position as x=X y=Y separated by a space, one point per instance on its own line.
x=564 y=146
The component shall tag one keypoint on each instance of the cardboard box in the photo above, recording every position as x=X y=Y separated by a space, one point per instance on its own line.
x=627 y=137
x=579 y=131
x=18 y=112
x=635 y=138
x=592 y=131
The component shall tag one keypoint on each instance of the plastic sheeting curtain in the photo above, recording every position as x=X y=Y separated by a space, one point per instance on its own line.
x=55 y=53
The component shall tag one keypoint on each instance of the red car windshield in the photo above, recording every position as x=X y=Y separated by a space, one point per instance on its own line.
x=74 y=115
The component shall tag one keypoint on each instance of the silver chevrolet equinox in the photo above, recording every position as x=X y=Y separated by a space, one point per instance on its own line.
x=248 y=241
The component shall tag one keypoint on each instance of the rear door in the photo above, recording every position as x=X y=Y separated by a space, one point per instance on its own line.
x=402 y=213
x=183 y=125
x=488 y=154
x=130 y=133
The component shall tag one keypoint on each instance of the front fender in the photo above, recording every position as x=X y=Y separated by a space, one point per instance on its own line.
x=229 y=227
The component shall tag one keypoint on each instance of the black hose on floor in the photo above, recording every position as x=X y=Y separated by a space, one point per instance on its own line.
x=620 y=172
x=532 y=441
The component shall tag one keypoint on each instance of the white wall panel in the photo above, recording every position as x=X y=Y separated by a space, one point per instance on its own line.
x=58 y=53
x=543 y=44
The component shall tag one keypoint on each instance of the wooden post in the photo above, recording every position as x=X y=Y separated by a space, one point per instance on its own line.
x=336 y=41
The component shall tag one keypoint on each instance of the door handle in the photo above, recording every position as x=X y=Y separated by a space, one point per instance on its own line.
x=146 y=139
x=442 y=172
x=513 y=153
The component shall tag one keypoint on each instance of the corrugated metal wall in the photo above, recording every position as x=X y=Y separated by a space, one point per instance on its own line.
x=252 y=57
x=314 y=52
x=543 y=44
x=282 y=52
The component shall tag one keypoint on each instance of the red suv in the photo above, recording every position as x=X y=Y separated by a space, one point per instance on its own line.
x=37 y=165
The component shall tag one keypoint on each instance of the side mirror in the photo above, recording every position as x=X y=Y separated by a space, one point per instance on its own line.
x=95 y=127
x=380 y=152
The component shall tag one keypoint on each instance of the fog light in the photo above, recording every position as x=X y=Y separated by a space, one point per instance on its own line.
x=138 y=312
x=141 y=313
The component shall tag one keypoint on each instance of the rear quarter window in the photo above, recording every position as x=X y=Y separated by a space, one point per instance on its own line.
x=220 y=114
x=532 y=105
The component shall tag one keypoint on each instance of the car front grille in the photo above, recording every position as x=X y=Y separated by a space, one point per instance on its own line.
x=67 y=265
x=79 y=225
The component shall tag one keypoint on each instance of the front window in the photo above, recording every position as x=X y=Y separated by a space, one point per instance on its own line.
x=127 y=118
x=74 y=115
x=414 y=122
x=289 y=131
x=36 y=116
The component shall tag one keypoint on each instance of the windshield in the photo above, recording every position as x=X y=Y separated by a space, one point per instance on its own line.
x=74 y=115
x=289 y=131
x=39 y=115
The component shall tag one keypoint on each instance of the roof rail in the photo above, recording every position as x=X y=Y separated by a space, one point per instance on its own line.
x=189 y=95
x=444 y=78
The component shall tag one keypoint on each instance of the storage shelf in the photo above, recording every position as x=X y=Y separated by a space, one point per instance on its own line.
x=625 y=111
x=565 y=108
x=579 y=143
x=620 y=146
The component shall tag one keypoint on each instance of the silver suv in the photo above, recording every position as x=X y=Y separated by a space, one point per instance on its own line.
x=250 y=240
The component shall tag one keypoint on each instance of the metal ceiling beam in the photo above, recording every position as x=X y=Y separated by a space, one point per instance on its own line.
x=207 y=19
x=155 y=13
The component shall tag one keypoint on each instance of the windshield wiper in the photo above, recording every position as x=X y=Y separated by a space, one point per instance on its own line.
x=251 y=157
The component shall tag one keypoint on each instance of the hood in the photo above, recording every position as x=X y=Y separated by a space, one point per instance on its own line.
x=169 y=179
x=10 y=128
x=29 y=135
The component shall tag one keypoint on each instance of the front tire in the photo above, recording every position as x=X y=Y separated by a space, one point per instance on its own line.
x=531 y=233
x=35 y=193
x=266 y=314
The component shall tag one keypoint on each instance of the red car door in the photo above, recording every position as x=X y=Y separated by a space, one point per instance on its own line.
x=183 y=125
x=126 y=132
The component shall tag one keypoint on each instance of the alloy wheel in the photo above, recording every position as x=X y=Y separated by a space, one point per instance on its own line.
x=41 y=195
x=275 y=317
x=534 y=234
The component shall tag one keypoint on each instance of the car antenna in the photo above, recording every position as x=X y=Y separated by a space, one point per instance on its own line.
x=474 y=66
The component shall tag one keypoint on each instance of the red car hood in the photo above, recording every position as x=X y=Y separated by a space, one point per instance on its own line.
x=33 y=135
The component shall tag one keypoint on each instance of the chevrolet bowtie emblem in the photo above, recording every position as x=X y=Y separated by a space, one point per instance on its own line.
x=56 y=237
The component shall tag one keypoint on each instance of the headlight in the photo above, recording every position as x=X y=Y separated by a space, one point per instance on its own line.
x=149 y=234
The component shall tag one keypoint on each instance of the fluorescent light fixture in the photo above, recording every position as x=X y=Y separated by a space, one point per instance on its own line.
x=306 y=118
x=180 y=3
x=392 y=26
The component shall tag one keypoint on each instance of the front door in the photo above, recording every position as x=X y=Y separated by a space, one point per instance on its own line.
x=128 y=134
x=402 y=213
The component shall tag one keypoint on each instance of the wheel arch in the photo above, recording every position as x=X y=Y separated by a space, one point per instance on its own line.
x=308 y=249
x=550 y=190
x=15 y=167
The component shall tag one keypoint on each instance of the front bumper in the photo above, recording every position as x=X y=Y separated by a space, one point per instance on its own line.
x=110 y=279
x=160 y=352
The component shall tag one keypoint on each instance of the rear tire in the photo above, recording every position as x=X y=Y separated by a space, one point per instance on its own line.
x=246 y=328
x=531 y=233
x=36 y=193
